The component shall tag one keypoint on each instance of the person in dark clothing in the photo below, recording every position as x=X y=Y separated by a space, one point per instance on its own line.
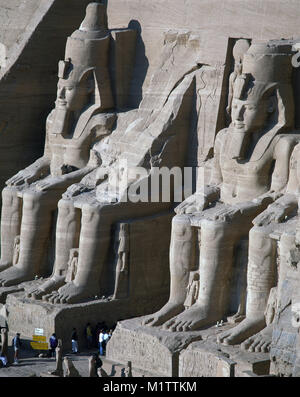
x=16 y=342
x=53 y=344
x=88 y=333
x=74 y=339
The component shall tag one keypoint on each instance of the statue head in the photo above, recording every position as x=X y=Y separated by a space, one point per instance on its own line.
x=86 y=58
x=74 y=94
x=262 y=95
x=251 y=110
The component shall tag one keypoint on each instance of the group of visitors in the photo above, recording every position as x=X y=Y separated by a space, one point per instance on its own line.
x=16 y=345
x=95 y=337
x=98 y=337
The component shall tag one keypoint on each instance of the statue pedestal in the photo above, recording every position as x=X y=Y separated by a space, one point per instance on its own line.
x=147 y=292
x=210 y=359
x=148 y=348
x=25 y=315
x=183 y=354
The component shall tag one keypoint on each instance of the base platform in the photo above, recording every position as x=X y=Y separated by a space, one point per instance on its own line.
x=24 y=315
x=184 y=354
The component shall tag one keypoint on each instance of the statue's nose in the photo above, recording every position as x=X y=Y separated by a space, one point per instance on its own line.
x=240 y=114
x=61 y=93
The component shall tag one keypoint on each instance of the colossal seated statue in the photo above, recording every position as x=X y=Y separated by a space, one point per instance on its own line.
x=280 y=218
x=152 y=136
x=73 y=127
x=250 y=170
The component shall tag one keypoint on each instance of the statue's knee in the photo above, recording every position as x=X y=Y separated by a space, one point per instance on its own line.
x=9 y=196
x=65 y=208
x=90 y=214
x=181 y=227
x=32 y=201
x=213 y=231
x=258 y=238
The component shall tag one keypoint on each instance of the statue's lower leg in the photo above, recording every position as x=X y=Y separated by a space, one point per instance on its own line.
x=35 y=230
x=181 y=263
x=10 y=225
x=67 y=237
x=93 y=248
x=216 y=254
x=261 y=278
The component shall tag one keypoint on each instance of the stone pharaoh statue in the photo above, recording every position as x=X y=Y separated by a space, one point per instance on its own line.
x=249 y=168
x=72 y=128
x=279 y=218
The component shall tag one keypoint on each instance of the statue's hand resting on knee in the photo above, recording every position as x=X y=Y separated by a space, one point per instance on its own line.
x=25 y=176
x=277 y=211
x=199 y=200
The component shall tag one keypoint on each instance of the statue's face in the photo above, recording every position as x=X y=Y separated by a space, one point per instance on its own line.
x=71 y=96
x=249 y=116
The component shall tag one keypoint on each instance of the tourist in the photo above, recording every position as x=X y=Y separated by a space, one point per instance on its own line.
x=103 y=338
x=16 y=342
x=4 y=361
x=74 y=339
x=53 y=344
x=89 y=335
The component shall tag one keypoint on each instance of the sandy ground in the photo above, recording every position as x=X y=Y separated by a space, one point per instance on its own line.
x=32 y=366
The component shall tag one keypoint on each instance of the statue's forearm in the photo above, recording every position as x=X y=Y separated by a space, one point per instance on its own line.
x=288 y=200
x=41 y=164
x=209 y=193
x=76 y=176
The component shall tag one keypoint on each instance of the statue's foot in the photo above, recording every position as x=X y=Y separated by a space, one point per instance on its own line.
x=164 y=314
x=48 y=286
x=192 y=319
x=260 y=342
x=13 y=276
x=71 y=293
x=5 y=265
x=247 y=328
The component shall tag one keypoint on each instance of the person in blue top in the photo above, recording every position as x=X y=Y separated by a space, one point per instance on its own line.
x=53 y=344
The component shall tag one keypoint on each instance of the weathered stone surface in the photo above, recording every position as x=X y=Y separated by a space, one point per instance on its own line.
x=176 y=86
x=148 y=349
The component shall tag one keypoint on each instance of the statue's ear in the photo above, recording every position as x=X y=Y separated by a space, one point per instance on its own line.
x=272 y=103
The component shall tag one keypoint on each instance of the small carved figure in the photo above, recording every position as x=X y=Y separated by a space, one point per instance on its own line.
x=16 y=250
x=72 y=265
x=192 y=291
x=122 y=268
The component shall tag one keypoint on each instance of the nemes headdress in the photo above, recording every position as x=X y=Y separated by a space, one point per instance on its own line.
x=87 y=53
x=267 y=70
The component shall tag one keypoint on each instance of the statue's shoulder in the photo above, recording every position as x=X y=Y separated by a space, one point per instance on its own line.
x=222 y=136
x=102 y=122
x=284 y=143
